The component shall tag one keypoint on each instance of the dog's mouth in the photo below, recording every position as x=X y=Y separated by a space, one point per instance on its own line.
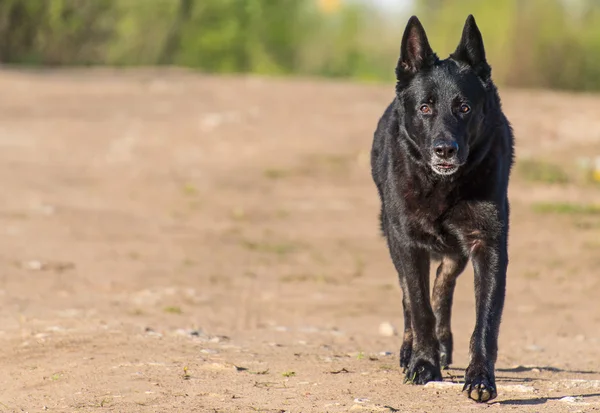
x=445 y=168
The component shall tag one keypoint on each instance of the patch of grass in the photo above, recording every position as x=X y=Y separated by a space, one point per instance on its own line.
x=539 y=171
x=238 y=214
x=360 y=356
x=359 y=267
x=277 y=248
x=190 y=190
x=104 y=402
x=587 y=224
x=173 y=310
x=16 y=215
x=410 y=380
x=531 y=275
x=55 y=376
x=186 y=373
x=293 y=278
x=566 y=208
x=288 y=374
x=334 y=162
x=592 y=245
x=188 y=262
x=318 y=278
x=274 y=173
x=282 y=213
x=219 y=279
x=319 y=257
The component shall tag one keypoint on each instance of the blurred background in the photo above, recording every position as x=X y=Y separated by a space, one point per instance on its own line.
x=534 y=43
x=188 y=221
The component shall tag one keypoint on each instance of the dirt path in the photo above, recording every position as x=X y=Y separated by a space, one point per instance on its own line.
x=182 y=243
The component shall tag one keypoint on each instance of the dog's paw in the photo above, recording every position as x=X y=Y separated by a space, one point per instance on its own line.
x=421 y=371
x=445 y=360
x=405 y=355
x=479 y=385
x=445 y=353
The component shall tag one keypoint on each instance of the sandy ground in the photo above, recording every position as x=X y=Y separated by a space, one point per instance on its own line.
x=182 y=243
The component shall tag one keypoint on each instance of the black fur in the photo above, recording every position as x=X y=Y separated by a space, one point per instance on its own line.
x=441 y=160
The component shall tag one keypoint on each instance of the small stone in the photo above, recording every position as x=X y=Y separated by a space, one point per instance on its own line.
x=386 y=353
x=534 y=347
x=361 y=400
x=386 y=329
x=149 y=331
x=308 y=329
x=571 y=399
x=33 y=265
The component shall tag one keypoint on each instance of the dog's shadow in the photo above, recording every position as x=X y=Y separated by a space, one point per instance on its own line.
x=540 y=400
x=523 y=369
x=529 y=369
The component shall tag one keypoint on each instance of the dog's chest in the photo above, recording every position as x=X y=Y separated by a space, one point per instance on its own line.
x=424 y=216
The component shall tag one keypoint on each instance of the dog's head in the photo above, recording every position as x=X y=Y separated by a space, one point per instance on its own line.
x=443 y=101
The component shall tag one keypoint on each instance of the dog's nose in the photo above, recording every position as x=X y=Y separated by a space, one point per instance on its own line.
x=445 y=150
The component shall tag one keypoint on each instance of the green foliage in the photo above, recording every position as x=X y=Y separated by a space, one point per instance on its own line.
x=538 y=171
x=539 y=43
x=55 y=31
x=567 y=208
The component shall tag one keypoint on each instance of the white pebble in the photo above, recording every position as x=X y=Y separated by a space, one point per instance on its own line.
x=571 y=399
x=386 y=329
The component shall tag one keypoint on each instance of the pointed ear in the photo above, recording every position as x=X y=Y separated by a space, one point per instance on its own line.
x=415 y=52
x=470 y=50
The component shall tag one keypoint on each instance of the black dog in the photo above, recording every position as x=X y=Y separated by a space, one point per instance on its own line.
x=441 y=160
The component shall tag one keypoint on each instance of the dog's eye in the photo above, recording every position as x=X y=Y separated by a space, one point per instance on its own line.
x=425 y=109
x=464 y=108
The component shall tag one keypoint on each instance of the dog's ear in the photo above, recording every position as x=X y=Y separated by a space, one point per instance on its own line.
x=470 y=50
x=415 y=52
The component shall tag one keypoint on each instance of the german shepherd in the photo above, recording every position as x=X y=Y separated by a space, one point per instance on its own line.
x=441 y=160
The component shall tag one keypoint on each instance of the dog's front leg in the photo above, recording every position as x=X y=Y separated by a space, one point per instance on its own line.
x=490 y=261
x=412 y=265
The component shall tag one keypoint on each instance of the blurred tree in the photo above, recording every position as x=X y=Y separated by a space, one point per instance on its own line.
x=19 y=22
x=54 y=32
x=544 y=43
